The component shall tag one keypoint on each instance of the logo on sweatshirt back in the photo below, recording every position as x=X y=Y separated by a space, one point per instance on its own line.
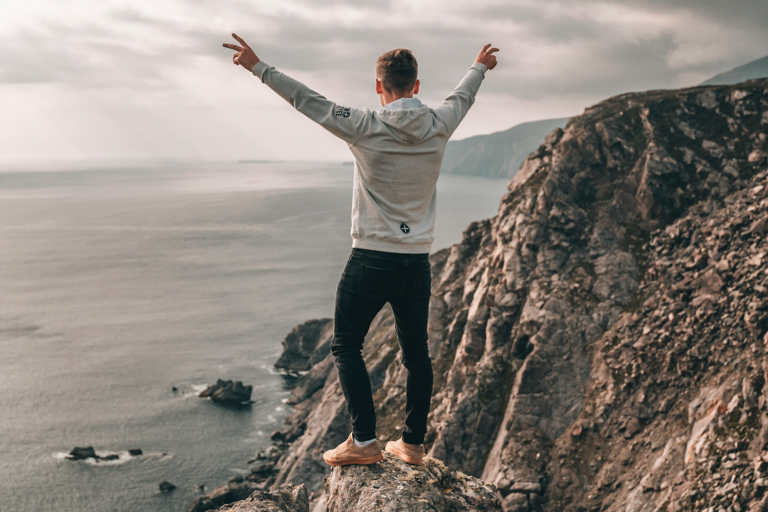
x=404 y=228
x=343 y=112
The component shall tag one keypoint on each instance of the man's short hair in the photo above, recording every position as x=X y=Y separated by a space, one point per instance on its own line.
x=397 y=70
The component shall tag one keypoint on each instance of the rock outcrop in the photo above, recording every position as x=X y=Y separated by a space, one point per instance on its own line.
x=306 y=345
x=82 y=452
x=287 y=498
x=599 y=343
x=228 y=392
x=395 y=486
x=166 y=486
x=236 y=489
x=390 y=485
x=88 y=452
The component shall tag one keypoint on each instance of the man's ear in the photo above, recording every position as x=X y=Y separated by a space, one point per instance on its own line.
x=378 y=87
x=416 y=87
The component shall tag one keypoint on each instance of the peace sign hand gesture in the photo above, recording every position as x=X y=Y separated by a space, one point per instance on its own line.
x=244 y=55
x=487 y=57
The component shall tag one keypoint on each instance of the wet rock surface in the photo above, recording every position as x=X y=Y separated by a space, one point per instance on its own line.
x=600 y=343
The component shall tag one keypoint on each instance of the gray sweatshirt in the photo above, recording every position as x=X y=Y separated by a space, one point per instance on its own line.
x=398 y=151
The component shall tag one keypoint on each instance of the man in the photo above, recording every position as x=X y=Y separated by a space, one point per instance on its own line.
x=398 y=151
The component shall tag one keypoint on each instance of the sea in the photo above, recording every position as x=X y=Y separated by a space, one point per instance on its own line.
x=126 y=287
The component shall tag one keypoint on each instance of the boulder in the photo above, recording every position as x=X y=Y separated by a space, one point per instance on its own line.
x=288 y=498
x=396 y=486
x=166 y=486
x=228 y=392
x=80 y=453
x=135 y=452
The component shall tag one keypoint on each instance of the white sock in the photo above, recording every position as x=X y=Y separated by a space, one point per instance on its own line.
x=362 y=443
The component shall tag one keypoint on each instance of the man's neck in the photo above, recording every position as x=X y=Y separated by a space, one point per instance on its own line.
x=406 y=102
x=395 y=98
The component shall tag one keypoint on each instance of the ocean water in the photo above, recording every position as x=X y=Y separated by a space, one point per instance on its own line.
x=121 y=280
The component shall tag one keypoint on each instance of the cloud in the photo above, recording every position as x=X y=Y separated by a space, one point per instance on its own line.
x=167 y=54
x=564 y=46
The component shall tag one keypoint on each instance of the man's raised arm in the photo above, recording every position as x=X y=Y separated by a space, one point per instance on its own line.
x=453 y=109
x=345 y=123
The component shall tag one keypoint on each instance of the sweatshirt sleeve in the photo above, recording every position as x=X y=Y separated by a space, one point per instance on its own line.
x=344 y=122
x=456 y=105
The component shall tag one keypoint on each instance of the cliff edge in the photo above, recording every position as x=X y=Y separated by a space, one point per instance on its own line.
x=390 y=485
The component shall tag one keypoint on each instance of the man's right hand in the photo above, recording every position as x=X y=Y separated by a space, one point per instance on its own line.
x=487 y=57
x=244 y=55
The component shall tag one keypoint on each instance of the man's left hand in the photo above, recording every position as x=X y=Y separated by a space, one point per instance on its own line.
x=244 y=55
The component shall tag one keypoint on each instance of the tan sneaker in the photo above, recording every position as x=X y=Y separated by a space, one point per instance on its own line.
x=410 y=453
x=349 y=453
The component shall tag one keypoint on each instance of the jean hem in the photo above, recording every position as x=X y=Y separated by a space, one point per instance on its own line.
x=412 y=439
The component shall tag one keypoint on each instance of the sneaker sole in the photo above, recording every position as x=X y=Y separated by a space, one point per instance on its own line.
x=405 y=457
x=364 y=461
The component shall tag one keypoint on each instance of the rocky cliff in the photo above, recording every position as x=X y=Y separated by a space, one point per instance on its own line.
x=598 y=344
x=393 y=485
x=390 y=485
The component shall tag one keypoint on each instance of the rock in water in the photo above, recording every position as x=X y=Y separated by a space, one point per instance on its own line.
x=228 y=392
x=166 y=486
x=288 y=498
x=80 y=453
x=395 y=486
x=135 y=452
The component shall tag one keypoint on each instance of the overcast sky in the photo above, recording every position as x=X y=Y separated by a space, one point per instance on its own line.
x=83 y=79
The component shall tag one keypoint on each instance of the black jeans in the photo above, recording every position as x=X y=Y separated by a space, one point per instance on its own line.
x=370 y=280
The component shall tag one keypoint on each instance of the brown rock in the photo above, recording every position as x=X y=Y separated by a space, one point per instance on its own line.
x=287 y=498
x=394 y=485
